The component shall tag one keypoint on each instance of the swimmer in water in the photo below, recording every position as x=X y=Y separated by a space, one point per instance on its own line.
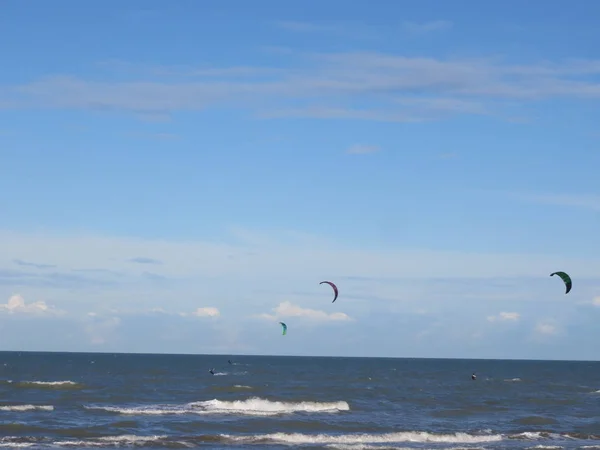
x=473 y=377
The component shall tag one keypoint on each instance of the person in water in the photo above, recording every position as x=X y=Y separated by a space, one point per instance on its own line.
x=473 y=377
x=229 y=361
x=212 y=371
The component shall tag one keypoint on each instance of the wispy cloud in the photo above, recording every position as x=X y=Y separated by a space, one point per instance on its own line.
x=346 y=30
x=325 y=85
x=207 y=311
x=305 y=27
x=427 y=27
x=277 y=253
x=155 y=136
x=101 y=330
x=20 y=262
x=505 y=316
x=361 y=149
x=591 y=202
x=546 y=328
x=144 y=260
x=56 y=279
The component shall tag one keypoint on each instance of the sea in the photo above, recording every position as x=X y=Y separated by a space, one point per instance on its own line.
x=100 y=400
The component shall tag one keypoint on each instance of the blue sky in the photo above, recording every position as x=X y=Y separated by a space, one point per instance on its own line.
x=180 y=176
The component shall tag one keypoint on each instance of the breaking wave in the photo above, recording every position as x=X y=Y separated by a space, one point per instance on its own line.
x=354 y=441
x=253 y=406
x=259 y=406
x=387 y=438
x=26 y=408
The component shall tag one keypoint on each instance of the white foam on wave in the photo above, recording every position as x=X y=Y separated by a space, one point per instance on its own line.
x=367 y=447
x=16 y=444
x=349 y=439
x=109 y=441
x=389 y=447
x=221 y=374
x=155 y=410
x=130 y=438
x=536 y=435
x=513 y=380
x=260 y=406
x=50 y=383
x=242 y=386
x=25 y=408
x=548 y=447
x=251 y=407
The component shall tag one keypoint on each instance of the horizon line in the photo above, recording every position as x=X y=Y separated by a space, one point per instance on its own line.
x=225 y=355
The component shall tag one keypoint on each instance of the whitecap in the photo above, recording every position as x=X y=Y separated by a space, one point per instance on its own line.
x=348 y=439
x=25 y=408
x=253 y=406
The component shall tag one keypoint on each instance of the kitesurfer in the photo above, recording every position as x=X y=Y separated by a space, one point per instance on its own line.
x=229 y=361
x=473 y=377
x=212 y=371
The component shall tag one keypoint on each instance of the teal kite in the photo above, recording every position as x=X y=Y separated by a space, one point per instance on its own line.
x=566 y=279
x=283 y=328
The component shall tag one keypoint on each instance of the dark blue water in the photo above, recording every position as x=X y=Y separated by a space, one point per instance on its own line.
x=171 y=401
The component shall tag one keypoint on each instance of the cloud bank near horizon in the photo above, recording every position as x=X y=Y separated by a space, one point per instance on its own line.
x=227 y=286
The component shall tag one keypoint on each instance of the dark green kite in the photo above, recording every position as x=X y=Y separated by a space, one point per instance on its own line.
x=566 y=278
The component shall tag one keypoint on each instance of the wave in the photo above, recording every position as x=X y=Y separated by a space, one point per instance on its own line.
x=105 y=441
x=548 y=447
x=362 y=441
x=241 y=386
x=260 y=406
x=50 y=384
x=251 y=407
x=25 y=408
x=222 y=374
x=345 y=439
x=513 y=380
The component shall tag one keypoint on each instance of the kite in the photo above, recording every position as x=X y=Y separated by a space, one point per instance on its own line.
x=566 y=278
x=283 y=328
x=335 y=289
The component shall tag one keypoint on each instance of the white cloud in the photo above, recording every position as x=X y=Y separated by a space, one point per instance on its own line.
x=208 y=311
x=361 y=149
x=504 y=316
x=546 y=328
x=596 y=301
x=16 y=305
x=288 y=309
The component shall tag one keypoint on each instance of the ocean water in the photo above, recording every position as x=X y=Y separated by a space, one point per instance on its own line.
x=70 y=400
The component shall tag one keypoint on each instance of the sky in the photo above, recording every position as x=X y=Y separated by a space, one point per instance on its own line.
x=178 y=177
